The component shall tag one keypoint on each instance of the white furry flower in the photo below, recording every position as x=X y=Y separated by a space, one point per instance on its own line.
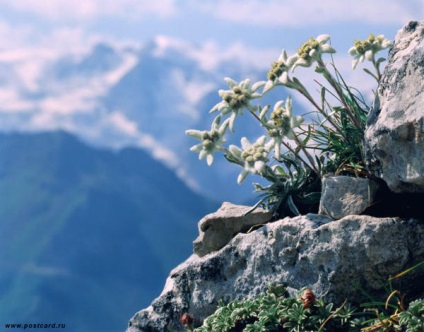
x=281 y=123
x=311 y=51
x=253 y=156
x=211 y=140
x=237 y=98
x=366 y=49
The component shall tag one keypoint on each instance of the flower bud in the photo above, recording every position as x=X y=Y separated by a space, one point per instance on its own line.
x=308 y=298
x=186 y=319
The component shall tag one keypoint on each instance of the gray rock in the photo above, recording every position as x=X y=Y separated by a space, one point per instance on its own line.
x=394 y=138
x=334 y=259
x=345 y=195
x=217 y=229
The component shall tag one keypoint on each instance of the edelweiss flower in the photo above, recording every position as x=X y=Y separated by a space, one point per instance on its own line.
x=311 y=51
x=237 y=98
x=211 y=141
x=281 y=124
x=253 y=157
x=366 y=49
x=279 y=71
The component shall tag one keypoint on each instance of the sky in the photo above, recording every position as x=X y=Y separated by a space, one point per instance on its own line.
x=249 y=32
x=46 y=26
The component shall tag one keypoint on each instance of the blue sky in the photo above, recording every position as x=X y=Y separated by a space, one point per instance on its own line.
x=253 y=23
x=34 y=33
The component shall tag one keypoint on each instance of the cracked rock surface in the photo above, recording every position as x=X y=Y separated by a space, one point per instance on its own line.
x=333 y=258
x=394 y=138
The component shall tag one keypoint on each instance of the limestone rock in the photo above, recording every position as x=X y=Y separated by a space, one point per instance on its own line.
x=217 y=229
x=345 y=195
x=394 y=138
x=333 y=258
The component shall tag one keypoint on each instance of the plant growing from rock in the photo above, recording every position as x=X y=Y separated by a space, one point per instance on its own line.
x=391 y=315
x=293 y=154
x=276 y=311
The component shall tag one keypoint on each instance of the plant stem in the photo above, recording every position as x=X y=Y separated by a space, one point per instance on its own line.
x=306 y=94
x=311 y=167
x=302 y=147
x=338 y=90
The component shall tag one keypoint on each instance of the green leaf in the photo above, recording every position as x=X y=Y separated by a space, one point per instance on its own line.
x=292 y=206
x=380 y=60
x=323 y=97
x=370 y=73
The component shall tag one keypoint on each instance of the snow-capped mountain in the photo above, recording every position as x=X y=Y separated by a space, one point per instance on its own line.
x=117 y=97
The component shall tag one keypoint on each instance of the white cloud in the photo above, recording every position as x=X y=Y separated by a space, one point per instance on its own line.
x=45 y=271
x=192 y=91
x=128 y=63
x=119 y=122
x=12 y=102
x=297 y=13
x=14 y=36
x=158 y=151
x=81 y=10
x=115 y=130
x=210 y=54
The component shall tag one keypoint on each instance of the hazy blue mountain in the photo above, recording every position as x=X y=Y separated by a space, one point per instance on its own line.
x=87 y=235
x=144 y=96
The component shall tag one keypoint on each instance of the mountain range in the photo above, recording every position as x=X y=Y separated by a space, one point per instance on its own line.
x=99 y=193
x=87 y=235
x=145 y=96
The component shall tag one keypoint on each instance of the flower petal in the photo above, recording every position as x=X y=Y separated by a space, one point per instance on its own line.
x=259 y=166
x=296 y=121
x=196 y=148
x=245 y=143
x=197 y=134
x=231 y=83
x=261 y=140
x=326 y=48
x=322 y=38
x=268 y=86
x=258 y=85
x=209 y=159
x=242 y=176
x=203 y=153
x=236 y=152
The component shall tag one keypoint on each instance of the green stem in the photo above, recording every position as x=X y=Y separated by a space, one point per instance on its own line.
x=377 y=69
x=306 y=94
x=330 y=79
x=302 y=147
x=310 y=166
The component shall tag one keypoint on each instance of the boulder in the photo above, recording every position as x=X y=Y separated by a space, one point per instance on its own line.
x=345 y=195
x=217 y=229
x=394 y=138
x=333 y=258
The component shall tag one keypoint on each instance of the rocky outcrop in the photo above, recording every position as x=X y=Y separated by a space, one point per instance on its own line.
x=217 y=229
x=394 y=138
x=333 y=258
x=345 y=195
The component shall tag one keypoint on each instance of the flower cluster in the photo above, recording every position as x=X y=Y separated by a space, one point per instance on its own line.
x=280 y=68
x=330 y=143
x=253 y=157
x=237 y=98
x=281 y=124
x=367 y=49
x=211 y=140
x=312 y=51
